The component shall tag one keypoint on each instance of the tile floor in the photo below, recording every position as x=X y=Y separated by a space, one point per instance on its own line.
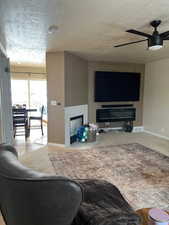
x=34 y=142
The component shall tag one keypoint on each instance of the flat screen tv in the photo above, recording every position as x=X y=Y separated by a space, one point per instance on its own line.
x=116 y=86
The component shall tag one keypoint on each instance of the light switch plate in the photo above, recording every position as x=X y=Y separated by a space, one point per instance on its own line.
x=53 y=102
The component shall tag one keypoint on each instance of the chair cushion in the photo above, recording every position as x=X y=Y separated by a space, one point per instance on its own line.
x=21 y=120
x=103 y=204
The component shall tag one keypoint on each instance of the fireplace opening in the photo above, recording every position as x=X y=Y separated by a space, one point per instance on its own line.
x=75 y=123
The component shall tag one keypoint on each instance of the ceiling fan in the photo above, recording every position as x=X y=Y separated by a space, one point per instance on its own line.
x=155 y=41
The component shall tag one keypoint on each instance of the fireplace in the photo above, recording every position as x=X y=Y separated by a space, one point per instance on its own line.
x=75 y=123
x=75 y=116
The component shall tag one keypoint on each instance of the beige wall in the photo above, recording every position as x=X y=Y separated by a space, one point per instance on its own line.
x=124 y=67
x=56 y=91
x=67 y=84
x=156 y=97
x=76 y=80
x=71 y=82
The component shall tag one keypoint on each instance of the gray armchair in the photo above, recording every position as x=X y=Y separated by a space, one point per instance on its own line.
x=32 y=198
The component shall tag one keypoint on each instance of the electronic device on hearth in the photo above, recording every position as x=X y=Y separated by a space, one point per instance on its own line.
x=117 y=114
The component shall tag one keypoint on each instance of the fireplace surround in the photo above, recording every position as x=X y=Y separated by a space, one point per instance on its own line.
x=77 y=113
x=75 y=123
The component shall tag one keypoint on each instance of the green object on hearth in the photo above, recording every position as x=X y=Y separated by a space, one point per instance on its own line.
x=87 y=133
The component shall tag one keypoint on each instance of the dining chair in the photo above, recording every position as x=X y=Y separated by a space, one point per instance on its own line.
x=20 y=122
x=38 y=118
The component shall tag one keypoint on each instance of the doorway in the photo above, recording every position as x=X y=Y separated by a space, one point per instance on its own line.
x=29 y=90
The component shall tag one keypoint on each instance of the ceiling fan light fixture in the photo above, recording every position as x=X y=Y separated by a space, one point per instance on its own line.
x=154 y=40
x=155 y=47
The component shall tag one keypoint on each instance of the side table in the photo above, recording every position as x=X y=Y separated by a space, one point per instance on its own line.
x=143 y=213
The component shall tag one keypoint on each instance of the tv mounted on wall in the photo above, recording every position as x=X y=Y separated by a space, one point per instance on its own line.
x=116 y=86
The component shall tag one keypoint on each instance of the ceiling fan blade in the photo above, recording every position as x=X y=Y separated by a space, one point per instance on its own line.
x=129 y=43
x=138 y=33
x=165 y=34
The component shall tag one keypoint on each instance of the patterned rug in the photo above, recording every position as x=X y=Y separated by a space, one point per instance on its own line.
x=141 y=174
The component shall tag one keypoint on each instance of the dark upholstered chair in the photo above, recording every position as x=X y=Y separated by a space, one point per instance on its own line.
x=31 y=198
x=20 y=122
x=38 y=118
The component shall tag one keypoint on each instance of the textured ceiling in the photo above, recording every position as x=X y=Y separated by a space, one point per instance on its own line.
x=88 y=28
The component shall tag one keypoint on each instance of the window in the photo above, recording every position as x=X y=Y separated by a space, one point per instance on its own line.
x=19 y=92
x=29 y=89
x=38 y=95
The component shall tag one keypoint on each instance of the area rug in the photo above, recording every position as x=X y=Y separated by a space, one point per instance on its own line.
x=141 y=174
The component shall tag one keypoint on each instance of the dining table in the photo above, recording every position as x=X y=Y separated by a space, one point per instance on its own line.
x=31 y=110
x=27 y=109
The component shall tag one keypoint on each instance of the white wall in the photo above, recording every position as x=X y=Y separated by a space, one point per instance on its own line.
x=156 y=97
x=6 y=128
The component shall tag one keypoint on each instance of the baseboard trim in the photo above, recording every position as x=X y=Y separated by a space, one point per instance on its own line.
x=157 y=135
x=135 y=130
x=57 y=145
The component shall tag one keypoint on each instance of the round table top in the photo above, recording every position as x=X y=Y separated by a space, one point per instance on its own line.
x=143 y=213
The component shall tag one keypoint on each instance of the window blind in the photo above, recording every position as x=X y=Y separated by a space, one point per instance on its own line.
x=28 y=76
